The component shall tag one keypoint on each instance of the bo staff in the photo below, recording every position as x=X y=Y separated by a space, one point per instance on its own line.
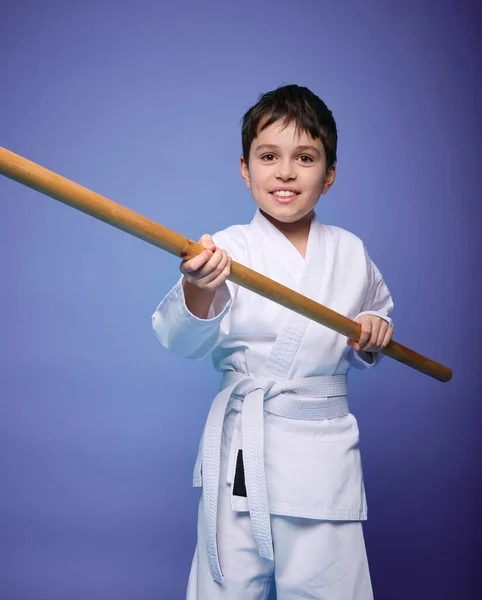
x=38 y=178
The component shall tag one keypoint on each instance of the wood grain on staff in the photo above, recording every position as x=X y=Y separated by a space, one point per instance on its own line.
x=47 y=182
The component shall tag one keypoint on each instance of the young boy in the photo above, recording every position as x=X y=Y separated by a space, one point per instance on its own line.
x=279 y=462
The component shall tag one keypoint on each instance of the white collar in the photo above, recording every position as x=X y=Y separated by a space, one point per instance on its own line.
x=286 y=252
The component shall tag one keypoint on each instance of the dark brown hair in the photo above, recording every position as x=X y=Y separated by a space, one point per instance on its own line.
x=291 y=103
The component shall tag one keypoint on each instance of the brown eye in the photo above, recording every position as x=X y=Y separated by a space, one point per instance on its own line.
x=306 y=159
x=268 y=157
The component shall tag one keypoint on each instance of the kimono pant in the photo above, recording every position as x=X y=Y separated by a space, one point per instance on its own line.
x=315 y=559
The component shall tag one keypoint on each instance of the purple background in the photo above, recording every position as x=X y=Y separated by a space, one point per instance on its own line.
x=141 y=102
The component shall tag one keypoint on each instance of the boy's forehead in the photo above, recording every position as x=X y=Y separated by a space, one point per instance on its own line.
x=282 y=134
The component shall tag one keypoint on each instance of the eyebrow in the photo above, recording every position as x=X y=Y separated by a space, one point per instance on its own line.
x=273 y=147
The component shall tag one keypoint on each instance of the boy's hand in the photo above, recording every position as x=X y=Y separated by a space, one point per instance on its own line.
x=376 y=333
x=210 y=269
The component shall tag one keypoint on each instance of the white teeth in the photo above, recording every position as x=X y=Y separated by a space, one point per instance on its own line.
x=285 y=193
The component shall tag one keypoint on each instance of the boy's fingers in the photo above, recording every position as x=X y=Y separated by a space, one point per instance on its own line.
x=210 y=271
x=196 y=263
x=372 y=345
x=365 y=334
x=224 y=273
x=212 y=264
x=388 y=337
x=214 y=279
x=213 y=269
x=375 y=335
x=382 y=333
x=207 y=241
x=354 y=344
x=351 y=343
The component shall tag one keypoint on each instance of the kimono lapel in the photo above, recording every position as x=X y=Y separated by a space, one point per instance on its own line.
x=283 y=250
x=310 y=280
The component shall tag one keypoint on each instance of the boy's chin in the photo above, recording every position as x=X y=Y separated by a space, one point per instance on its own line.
x=285 y=217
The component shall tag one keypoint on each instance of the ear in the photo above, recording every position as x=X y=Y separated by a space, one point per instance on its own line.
x=245 y=172
x=330 y=177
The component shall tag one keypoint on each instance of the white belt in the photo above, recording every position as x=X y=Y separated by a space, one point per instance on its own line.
x=322 y=397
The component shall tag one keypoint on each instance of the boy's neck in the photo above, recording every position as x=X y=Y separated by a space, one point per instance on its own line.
x=297 y=233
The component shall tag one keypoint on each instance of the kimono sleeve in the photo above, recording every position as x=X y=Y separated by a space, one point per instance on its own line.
x=178 y=330
x=378 y=301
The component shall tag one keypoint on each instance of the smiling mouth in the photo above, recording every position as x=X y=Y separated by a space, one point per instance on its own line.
x=284 y=194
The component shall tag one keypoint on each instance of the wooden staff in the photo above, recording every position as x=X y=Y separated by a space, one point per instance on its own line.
x=38 y=178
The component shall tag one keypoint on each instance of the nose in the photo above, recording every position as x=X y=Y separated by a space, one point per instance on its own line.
x=285 y=171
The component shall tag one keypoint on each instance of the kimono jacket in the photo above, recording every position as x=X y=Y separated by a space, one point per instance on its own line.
x=300 y=443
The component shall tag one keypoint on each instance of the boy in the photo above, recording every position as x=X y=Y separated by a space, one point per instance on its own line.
x=279 y=463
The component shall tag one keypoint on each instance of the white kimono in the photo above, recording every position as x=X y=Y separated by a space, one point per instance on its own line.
x=283 y=399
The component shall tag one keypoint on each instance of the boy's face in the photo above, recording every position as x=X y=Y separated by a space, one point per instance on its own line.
x=286 y=172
